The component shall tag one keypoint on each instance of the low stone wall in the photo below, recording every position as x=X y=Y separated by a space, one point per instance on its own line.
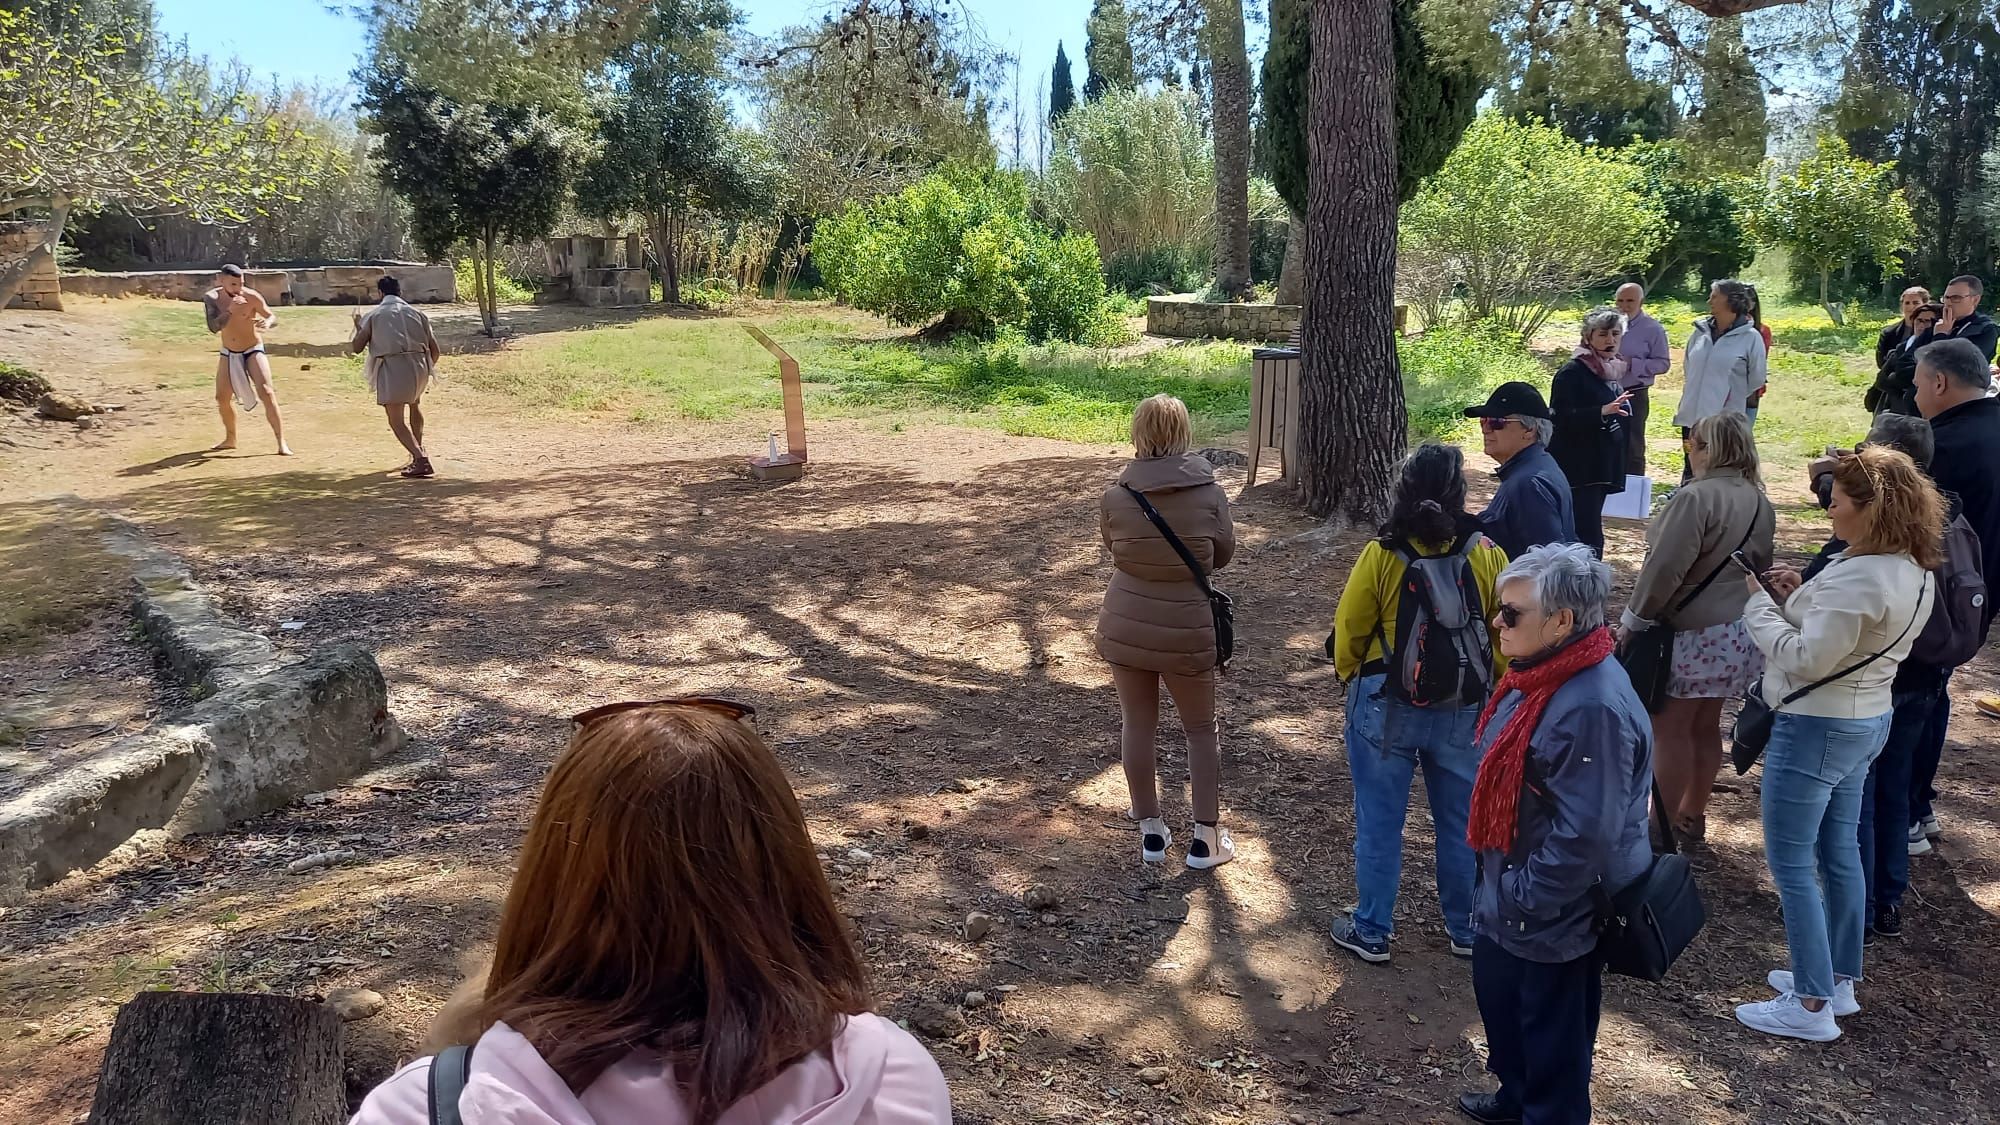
x=1185 y=318
x=264 y=734
x=319 y=285
x=43 y=289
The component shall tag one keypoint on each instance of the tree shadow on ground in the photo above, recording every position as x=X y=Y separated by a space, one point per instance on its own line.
x=919 y=651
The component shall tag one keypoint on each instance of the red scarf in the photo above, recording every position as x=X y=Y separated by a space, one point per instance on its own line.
x=1496 y=795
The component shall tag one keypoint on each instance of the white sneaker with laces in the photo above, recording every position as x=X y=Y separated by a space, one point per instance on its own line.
x=1920 y=844
x=1930 y=827
x=1843 y=1004
x=1154 y=839
x=1212 y=847
x=1787 y=1017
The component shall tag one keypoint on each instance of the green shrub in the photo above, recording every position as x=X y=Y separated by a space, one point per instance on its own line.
x=960 y=246
x=506 y=290
x=18 y=384
x=1447 y=369
x=1176 y=269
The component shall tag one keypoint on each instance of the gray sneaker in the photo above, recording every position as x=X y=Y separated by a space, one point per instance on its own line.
x=1920 y=844
x=1374 y=951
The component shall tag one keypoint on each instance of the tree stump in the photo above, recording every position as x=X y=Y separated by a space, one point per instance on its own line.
x=221 y=1058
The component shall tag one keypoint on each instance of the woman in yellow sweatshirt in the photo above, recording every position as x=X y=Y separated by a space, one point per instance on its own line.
x=1411 y=640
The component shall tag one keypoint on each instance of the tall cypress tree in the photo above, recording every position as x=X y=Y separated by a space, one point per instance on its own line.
x=1434 y=104
x=1107 y=50
x=1062 y=87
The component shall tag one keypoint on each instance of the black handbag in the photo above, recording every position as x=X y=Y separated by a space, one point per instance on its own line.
x=1649 y=656
x=1219 y=605
x=1754 y=720
x=1645 y=927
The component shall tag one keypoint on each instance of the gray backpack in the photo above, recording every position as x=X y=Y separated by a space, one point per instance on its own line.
x=1443 y=655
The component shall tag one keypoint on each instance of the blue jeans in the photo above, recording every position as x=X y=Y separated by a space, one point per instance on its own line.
x=1813 y=774
x=1929 y=753
x=1886 y=795
x=1386 y=741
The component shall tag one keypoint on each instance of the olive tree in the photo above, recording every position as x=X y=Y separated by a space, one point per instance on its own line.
x=1834 y=212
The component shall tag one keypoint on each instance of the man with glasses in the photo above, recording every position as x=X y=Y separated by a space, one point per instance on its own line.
x=1531 y=507
x=1962 y=319
x=1644 y=350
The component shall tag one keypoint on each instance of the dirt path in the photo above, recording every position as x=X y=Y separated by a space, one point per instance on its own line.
x=913 y=623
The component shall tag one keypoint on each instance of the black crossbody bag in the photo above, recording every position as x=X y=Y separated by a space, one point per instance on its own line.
x=1219 y=604
x=1649 y=656
x=1754 y=720
x=1644 y=928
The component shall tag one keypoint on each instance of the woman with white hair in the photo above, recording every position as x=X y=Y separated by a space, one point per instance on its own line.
x=1591 y=408
x=1558 y=809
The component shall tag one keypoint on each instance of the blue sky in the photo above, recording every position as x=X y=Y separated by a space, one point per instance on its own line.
x=299 y=40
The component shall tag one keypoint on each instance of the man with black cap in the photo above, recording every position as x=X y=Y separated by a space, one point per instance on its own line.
x=1531 y=507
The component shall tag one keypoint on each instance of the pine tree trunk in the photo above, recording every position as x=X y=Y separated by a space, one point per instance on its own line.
x=14 y=275
x=1229 y=74
x=221 y=1058
x=492 y=313
x=1352 y=422
x=1292 y=274
x=670 y=257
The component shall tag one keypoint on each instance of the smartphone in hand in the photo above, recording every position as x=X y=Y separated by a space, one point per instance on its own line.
x=1743 y=564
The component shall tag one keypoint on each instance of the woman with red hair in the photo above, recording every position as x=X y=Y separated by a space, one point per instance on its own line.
x=669 y=953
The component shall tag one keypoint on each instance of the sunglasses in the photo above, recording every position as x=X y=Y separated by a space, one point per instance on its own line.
x=727 y=708
x=1495 y=425
x=1510 y=616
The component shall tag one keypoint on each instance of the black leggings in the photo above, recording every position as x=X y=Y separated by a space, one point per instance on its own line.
x=1587 y=505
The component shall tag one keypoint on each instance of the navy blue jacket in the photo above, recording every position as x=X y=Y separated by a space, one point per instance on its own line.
x=1592 y=757
x=1531 y=507
x=1967 y=463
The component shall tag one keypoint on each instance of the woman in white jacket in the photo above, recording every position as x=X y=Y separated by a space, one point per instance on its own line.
x=1725 y=364
x=1830 y=654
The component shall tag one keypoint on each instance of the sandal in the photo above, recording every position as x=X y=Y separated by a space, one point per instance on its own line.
x=1693 y=829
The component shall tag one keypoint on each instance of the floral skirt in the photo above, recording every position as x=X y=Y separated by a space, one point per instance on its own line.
x=1719 y=662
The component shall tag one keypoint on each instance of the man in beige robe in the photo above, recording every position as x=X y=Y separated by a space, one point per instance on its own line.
x=401 y=354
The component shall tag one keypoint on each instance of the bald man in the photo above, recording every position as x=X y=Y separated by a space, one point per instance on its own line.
x=1644 y=349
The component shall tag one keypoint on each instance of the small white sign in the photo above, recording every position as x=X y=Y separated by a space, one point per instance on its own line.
x=1635 y=503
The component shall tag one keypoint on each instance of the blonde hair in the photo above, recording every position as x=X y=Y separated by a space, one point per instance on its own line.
x=1160 y=427
x=1901 y=511
x=1729 y=443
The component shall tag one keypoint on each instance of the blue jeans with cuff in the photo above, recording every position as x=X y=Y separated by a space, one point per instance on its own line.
x=1814 y=770
x=1387 y=740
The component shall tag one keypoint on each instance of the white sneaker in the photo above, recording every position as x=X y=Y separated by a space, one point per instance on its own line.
x=1843 y=1003
x=1212 y=847
x=1920 y=844
x=1786 y=1016
x=1930 y=827
x=1154 y=839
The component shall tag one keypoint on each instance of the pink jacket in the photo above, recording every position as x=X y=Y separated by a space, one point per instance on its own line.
x=874 y=1073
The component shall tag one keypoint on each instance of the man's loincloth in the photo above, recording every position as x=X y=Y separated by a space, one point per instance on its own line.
x=240 y=384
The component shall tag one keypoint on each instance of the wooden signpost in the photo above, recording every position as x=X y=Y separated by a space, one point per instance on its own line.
x=791 y=463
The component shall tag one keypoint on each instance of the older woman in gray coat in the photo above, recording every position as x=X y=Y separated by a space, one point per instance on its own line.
x=1156 y=626
x=1558 y=809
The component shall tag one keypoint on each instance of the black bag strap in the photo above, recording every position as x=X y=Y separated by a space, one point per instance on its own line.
x=1857 y=666
x=1180 y=548
x=451 y=1069
x=1721 y=566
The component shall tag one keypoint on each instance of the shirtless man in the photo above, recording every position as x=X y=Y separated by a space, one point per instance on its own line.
x=239 y=315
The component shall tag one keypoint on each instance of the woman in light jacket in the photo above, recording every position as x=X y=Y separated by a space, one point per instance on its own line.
x=670 y=953
x=1726 y=362
x=1592 y=409
x=1156 y=625
x=1851 y=625
x=1687 y=549
x=1388 y=737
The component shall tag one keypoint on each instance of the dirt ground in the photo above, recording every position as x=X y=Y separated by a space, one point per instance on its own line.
x=913 y=623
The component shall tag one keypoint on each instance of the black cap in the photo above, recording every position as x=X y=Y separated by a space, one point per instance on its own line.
x=230 y=270
x=1509 y=399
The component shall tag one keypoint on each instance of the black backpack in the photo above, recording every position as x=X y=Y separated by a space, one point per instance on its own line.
x=1443 y=655
x=1957 y=625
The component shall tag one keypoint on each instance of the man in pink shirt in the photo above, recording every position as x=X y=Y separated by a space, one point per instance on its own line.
x=1644 y=349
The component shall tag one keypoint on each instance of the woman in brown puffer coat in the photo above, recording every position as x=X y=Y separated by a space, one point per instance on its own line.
x=1156 y=623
